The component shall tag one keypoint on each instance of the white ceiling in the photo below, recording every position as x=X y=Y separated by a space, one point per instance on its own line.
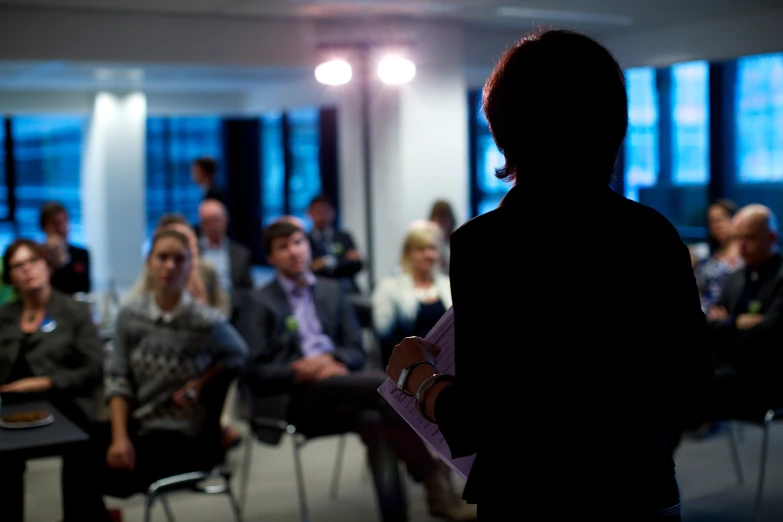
x=602 y=16
x=605 y=18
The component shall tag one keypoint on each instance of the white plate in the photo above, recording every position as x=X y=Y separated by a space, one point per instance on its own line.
x=32 y=424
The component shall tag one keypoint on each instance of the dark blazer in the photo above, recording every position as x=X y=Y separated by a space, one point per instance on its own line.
x=756 y=350
x=579 y=345
x=73 y=277
x=71 y=354
x=345 y=269
x=274 y=344
x=241 y=262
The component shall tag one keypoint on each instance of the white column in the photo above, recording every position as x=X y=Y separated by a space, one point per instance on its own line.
x=113 y=185
x=419 y=146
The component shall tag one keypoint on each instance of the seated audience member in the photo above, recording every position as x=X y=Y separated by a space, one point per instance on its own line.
x=203 y=284
x=232 y=263
x=305 y=357
x=72 y=264
x=167 y=349
x=49 y=349
x=724 y=252
x=231 y=260
x=442 y=214
x=334 y=251
x=409 y=304
x=746 y=322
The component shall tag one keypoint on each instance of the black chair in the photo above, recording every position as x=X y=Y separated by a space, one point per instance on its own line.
x=216 y=481
x=269 y=429
x=765 y=424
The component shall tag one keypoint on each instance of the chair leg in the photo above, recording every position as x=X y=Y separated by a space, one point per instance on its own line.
x=166 y=508
x=245 y=478
x=296 y=444
x=338 y=467
x=233 y=501
x=150 y=502
x=763 y=464
x=735 y=459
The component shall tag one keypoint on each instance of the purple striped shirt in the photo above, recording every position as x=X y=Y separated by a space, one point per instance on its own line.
x=312 y=339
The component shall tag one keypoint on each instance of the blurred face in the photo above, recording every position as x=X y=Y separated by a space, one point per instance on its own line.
x=322 y=215
x=423 y=258
x=213 y=222
x=169 y=264
x=756 y=242
x=28 y=270
x=197 y=175
x=290 y=255
x=719 y=224
x=58 y=225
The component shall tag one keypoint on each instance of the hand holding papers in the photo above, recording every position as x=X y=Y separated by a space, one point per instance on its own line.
x=441 y=335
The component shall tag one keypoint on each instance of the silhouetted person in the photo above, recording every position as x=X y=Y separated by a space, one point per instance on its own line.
x=203 y=172
x=571 y=374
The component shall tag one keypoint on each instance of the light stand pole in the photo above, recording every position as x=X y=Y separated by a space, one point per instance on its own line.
x=393 y=70
x=366 y=129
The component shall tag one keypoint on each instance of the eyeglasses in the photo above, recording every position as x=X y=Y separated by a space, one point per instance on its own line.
x=24 y=263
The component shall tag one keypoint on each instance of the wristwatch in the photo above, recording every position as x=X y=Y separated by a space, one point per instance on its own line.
x=405 y=373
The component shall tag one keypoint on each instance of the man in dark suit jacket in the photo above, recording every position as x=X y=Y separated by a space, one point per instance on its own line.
x=305 y=359
x=334 y=251
x=231 y=260
x=746 y=324
x=72 y=264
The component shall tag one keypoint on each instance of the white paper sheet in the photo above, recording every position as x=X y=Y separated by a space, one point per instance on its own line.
x=442 y=335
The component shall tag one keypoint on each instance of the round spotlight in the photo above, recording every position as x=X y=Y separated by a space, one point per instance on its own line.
x=335 y=72
x=395 y=70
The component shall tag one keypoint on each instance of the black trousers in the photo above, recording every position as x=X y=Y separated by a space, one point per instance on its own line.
x=352 y=403
x=86 y=477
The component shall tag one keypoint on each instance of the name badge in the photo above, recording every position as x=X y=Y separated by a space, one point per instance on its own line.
x=48 y=325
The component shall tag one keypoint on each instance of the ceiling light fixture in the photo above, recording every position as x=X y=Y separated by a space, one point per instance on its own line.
x=396 y=70
x=334 y=72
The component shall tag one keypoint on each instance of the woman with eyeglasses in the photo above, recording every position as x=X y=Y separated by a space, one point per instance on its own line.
x=49 y=350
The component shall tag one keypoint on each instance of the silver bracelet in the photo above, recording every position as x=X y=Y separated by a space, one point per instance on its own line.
x=426 y=386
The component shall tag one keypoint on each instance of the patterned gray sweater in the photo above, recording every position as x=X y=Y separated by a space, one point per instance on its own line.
x=155 y=353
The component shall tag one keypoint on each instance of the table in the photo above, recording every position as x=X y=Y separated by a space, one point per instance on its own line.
x=45 y=441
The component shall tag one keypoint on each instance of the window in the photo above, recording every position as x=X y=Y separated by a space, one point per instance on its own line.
x=47 y=156
x=272 y=167
x=488 y=189
x=759 y=119
x=3 y=188
x=304 y=182
x=172 y=145
x=641 y=143
x=690 y=124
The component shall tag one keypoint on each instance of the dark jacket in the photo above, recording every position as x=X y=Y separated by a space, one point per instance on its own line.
x=241 y=262
x=74 y=276
x=579 y=344
x=274 y=343
x=756 y=350
x=71 y=354
x=345 y=269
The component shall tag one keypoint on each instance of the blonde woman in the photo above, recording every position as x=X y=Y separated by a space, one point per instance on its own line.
x=409 y=304
x=203 y=283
